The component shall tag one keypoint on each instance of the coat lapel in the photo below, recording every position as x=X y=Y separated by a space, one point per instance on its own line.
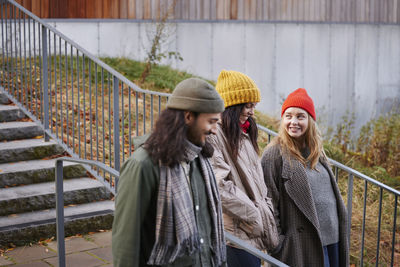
x=298 y=189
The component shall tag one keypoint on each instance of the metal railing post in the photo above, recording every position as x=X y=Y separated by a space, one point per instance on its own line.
x=349 y=205
x=60 y=213
x=116 y=123
x=45 y=83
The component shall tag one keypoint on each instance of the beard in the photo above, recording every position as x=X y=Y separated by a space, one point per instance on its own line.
x=208 y=150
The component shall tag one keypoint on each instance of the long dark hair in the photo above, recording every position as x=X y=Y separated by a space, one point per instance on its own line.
x=232 y=130
x=167 y=141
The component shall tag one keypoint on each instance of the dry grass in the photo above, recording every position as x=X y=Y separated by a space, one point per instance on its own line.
x=83 y=138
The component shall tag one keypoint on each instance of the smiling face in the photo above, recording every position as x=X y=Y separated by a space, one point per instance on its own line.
x=200 y=126
x=295 y=122
x=247 y=111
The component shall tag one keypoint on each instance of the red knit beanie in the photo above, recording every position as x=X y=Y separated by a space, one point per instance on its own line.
x=299 y=99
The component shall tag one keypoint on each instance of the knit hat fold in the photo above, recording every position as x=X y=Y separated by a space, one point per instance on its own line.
x=299 y=99
x=237 y=88
x=196 y=95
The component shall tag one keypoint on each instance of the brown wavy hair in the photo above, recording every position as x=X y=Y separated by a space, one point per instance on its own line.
x=312 y=139
x=166 y=142
x=231 y=128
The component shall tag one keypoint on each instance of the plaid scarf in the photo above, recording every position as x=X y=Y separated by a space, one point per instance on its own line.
x=176 y=227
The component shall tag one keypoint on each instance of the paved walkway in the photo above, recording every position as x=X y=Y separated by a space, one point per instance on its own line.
x=89 y=250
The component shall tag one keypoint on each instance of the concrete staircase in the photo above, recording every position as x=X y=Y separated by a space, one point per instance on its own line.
x=27 y=198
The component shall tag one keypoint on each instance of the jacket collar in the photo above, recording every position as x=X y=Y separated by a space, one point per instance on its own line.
x=298 y=188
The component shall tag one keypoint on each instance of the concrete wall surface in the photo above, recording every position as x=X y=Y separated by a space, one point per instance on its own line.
x=346 y=68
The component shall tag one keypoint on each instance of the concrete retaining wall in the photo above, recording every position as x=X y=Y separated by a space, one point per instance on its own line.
x=345 y=67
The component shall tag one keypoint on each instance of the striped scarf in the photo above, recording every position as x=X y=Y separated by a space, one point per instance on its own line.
x=176 y=228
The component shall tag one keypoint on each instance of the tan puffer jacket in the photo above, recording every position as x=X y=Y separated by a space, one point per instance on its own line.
x=248 y=212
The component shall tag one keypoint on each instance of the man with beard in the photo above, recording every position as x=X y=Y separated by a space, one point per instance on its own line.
x=168 y=210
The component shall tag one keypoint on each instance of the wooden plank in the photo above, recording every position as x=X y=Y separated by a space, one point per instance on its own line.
x=300 y=6
x=53 y=9
x=114 y=11
x=219 y=9
x=284 y=8
x=178 y=7
x=169 y=8
x=270 y=8
x=264 y=7
x=98 y=8
x=139 y=9
x=278 y=10
x=317 y=10
x=384 y=11
x=371 y=9
x=191 y=9
x=131 y=9
x=259 y=10
x=240 y=9
x=154 y=15
x=199 y=10
x=90 y=9
x=146 y=10
x=350 y=11
x=246 y=9
x=71 y=9
x=44 y=9
x=213 y=9
x=323 y=10
x=360 y=15
x=185 y=10
x=253 y=9
x=389 y=11
x=80 y=9
x=27 y=4
x=227 y=9
x=106 y=9
x=123 y=9
x=62 y=11
x=376 y=14
x=206 y=5
x=36 y=7
x=234 y=10
x=396 y=11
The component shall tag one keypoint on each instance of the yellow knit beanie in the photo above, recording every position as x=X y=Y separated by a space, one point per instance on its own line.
x=237 y=88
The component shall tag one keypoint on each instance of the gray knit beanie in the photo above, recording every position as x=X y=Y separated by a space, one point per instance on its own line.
x=196 y=95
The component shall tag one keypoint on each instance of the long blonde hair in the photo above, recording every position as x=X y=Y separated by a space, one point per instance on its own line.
x=312 y=139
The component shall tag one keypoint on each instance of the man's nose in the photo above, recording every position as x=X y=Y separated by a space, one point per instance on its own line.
x=213 y=129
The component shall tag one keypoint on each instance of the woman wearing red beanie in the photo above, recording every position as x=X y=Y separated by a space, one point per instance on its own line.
x=309 y=211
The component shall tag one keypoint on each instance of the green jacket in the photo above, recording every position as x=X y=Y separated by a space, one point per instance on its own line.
x=133 y=233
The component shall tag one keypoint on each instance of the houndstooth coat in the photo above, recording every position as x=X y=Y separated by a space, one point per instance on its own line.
x=295 y=212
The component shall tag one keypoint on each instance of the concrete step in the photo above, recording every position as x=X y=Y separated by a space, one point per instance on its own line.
x=36 y=171
x=19 y=130
x=10 y=113
x=24 y=228
x=4 y=99
x=28 y=149
x=42 y=196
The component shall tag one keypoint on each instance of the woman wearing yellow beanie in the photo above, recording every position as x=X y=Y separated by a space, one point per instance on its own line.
x=246 y=208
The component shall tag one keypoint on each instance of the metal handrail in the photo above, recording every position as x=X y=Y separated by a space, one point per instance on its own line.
x=87 y=53
x=343 y=167
x=116 y=85
x=60 y=215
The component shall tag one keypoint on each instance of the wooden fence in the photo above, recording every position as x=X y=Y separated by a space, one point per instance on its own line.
x=364 y=11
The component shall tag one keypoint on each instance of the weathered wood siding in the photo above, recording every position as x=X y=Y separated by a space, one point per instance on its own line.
x=368 y=11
